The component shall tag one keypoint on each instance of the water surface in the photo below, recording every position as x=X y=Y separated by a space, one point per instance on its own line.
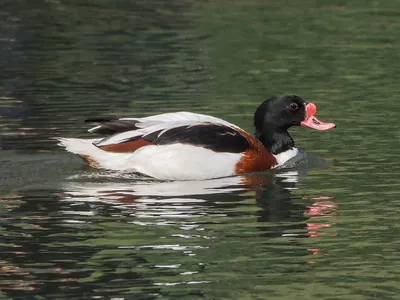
x=313 y=232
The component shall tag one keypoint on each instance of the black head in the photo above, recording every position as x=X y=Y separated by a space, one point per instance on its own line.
x=273 y=118
x=276 y=115
x=280 y=113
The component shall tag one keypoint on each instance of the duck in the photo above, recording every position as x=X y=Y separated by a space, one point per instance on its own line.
x=192 y=146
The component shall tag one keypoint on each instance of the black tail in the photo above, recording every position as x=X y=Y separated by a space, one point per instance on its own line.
x=110 y=125
x=101 y=119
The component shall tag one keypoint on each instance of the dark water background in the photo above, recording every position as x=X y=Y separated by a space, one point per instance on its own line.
x=68 y=232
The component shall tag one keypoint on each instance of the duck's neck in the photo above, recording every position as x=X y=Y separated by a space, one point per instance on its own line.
x=276 y=141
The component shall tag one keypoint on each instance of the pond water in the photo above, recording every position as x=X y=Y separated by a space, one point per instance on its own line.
x=319 y=231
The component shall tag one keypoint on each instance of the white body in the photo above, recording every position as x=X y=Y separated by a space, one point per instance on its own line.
x=167 y=162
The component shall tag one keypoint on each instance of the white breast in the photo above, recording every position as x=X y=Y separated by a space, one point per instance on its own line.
x=283 y=157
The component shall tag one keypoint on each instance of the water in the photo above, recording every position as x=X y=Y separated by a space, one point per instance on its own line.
x=68 y=232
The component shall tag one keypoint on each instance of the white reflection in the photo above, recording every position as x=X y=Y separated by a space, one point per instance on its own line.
x=147 y=191
x=155 y=203
x=151 y=188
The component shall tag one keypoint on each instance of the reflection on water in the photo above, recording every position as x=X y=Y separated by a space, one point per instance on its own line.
x=157 y=235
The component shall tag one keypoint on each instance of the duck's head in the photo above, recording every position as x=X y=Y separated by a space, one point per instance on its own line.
x=277 y=114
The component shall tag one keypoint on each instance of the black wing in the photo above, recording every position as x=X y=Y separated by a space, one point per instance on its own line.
x=215 y=137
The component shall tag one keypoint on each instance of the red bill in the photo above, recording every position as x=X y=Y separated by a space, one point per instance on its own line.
x=312 y=122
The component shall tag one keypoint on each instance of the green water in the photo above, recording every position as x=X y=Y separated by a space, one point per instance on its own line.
x=68 y=232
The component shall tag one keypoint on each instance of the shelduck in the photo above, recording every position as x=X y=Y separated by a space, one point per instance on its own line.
x=191 y=146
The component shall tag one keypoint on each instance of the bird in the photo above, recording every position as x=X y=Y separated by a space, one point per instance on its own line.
x=192 y=146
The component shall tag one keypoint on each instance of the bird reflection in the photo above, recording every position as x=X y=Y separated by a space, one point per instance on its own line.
x=272 y=191
x=187 y=212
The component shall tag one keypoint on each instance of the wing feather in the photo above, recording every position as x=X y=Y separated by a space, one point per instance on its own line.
x=112 y=125
x=130 y=134
x=216 y=137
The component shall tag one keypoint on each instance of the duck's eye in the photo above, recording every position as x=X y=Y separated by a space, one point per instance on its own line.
x=294 y=106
